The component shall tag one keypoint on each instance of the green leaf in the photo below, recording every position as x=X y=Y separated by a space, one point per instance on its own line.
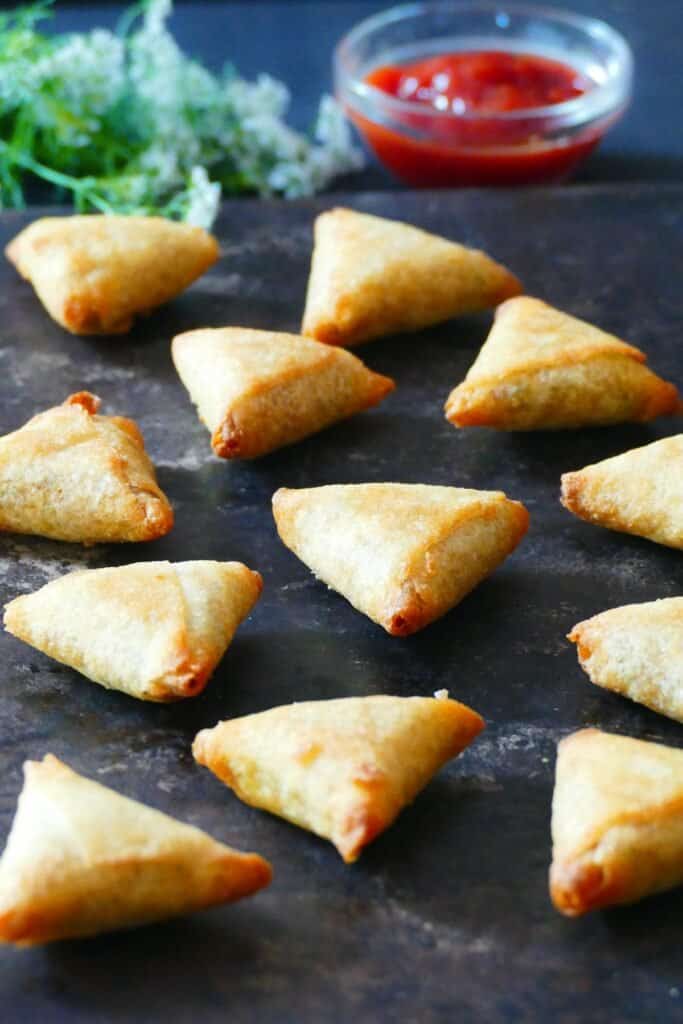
x=128 y=123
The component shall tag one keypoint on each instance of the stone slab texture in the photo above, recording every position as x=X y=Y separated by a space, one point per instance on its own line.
x=446 y=917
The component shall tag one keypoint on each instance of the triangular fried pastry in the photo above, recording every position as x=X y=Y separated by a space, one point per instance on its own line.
x=72 y=475
x=154 y=630
x=259 y=390
x=343 y=769
x=637 y=651
x=81 y=859
x=639 y=492
x=94 y=274
x=541 y=369
x=403 y=554
x=617 y=821
x=371 y=276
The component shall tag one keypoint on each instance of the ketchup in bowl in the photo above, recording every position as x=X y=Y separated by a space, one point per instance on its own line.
x=485 y=83
x=482 y=81
x=507 y=109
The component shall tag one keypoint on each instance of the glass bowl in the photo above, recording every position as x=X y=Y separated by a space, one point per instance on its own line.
x=427 y=147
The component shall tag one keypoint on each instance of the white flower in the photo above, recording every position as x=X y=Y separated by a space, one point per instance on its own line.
x=162 y=164
x=87 y=72
x=204 y=199
x=333 y=131
x=160 y=124
x=158 y=11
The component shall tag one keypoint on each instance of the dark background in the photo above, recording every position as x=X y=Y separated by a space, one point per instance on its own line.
x=294 y=41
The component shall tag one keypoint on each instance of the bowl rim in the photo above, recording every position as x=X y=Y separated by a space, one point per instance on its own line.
x=603 y=99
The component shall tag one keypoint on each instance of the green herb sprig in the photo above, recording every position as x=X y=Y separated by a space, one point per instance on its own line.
x=125 y=122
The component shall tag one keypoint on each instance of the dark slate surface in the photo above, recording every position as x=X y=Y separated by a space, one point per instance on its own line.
x=446 y=917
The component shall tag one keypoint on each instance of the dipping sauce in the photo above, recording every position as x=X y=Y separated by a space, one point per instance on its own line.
x=482 y=82
x=464 y=121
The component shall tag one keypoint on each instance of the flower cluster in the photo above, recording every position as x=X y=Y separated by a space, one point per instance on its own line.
x=128 y=123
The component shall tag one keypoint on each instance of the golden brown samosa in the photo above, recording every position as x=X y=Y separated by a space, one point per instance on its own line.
x=154 y=630
x=637 y=651
x=73 y=475
x=343 y=769
x=403 y=554
x=371 y=276
x=639 y=492
x=541 y=369
x=81 y=859
x=617 y=821
x=259 y=390
x=94 y=274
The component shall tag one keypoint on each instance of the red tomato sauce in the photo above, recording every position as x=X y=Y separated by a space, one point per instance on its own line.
x=477 y=146
x=481 y=82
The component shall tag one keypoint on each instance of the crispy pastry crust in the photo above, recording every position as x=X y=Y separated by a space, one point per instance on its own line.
x=73 y=475
x=81 y=859
x=541 y=369
x=94 y=274
x=154 y=630
x=403 y=554
x=617 y=821
x=259 y=390
x=638 y=492
x=637 y=651
x=371 y=276
x=343 y=769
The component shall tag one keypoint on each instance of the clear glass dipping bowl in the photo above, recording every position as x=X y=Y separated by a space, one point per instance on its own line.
x=427 y=147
